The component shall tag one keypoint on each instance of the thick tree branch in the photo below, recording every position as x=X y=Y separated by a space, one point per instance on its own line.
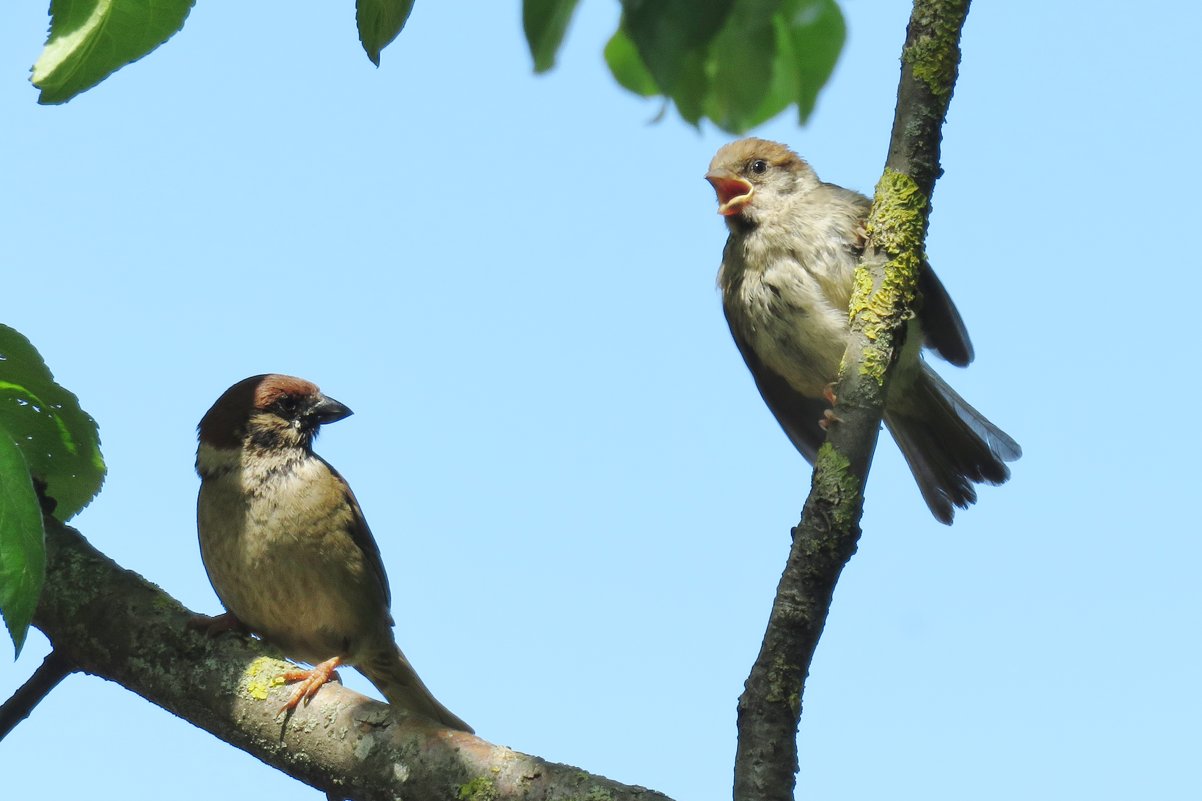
x=113 y=623
x=826 y=537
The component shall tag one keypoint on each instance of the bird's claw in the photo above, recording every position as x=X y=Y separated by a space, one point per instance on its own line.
x=828 y=415
x=310 y=682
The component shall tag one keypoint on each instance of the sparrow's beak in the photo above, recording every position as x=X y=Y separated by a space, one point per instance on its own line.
x=733 y=192
x=328 y=410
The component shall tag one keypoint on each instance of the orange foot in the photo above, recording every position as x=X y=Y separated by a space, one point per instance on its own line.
x=828 y=415
x=310 y=681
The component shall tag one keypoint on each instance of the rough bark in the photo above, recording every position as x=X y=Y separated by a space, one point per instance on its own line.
x=112 y=623
x=825 y=539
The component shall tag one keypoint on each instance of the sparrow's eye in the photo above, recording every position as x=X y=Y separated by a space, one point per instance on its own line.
x=287 y=405
x=759 y=166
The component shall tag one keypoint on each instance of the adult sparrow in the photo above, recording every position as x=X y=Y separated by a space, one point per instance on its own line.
x=287 y=548
x=786 y=281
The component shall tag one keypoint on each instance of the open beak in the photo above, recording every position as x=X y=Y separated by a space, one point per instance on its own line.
x=733 y=192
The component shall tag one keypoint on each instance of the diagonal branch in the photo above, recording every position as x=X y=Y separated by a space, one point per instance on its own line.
x=113 y=623
x=52 y=670
x=825 y=539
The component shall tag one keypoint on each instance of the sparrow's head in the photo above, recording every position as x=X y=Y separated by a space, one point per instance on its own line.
x=269 y=412
x=752 y=176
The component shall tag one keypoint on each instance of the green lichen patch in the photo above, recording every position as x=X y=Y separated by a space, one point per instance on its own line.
x=835 y=481
x=480 y=788
x=896 y=227
x=165 y=604
x=593 y=791
x=598 y=794
x=898 y=213
x=782 y=685
x=934 y=56
x=260 y=676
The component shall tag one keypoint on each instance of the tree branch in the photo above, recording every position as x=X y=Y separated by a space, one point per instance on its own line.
x=54 y=668
x=112 y=623
x=825 y=539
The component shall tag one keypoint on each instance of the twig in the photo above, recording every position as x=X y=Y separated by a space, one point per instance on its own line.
x=53 y=669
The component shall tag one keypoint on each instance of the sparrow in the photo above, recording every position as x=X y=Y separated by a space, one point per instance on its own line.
x=287 y=548
x=786 y=282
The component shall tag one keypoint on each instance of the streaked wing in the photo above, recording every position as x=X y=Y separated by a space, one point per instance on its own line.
x=361 y=536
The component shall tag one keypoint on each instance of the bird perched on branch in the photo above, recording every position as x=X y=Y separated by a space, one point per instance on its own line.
x=786 y=282
x=287 y=548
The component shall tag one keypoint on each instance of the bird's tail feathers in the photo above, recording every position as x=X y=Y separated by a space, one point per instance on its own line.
x=949 y=445
x=390 y=671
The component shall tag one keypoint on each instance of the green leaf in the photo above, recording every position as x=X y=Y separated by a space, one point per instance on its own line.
x=627 y=66
x=737 y=62
x=817 y=31
x=691 y=88
x=91 y=39
x=545 y=23
x=58 y=440
x=740 y=65
x=784 y=87
x=22 y=543
x=671 y=35
x=380 y=21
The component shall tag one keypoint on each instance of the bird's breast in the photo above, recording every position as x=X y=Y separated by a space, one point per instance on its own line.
x=276 y=543
x=781 y=306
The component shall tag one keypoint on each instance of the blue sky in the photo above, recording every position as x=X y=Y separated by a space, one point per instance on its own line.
x=581 y=501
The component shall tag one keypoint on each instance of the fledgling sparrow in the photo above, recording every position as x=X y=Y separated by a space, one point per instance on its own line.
x=287 y=548
x=786 y=282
